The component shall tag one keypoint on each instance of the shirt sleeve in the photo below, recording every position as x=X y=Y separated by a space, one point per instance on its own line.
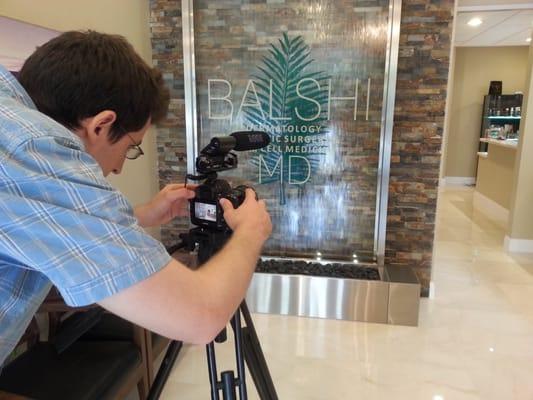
x=60 y=216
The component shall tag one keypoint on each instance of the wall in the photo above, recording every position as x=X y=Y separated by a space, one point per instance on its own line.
x=419 y=116
x=231 y=40
x=521 y=217
x=167 y=45
x=423 y=66
x=129 y=18
x=475 y=67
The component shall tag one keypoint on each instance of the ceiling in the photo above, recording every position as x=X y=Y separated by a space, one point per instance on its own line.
x=499 y=28
x=505 y=22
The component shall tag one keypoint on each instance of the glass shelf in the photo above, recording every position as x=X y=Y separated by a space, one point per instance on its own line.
x=509 y=143
x=502 y=117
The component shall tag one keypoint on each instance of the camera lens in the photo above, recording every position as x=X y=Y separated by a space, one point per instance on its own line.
x=238 y=195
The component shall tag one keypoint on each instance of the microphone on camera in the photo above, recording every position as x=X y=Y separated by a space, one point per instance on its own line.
x=238 y=141
x=250 y=140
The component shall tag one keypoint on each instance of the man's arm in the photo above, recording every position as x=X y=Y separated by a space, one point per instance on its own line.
x=194 y=306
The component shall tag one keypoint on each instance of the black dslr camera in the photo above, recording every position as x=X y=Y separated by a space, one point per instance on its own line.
x=217 y=156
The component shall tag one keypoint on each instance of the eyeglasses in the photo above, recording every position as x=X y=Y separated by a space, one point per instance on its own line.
x=134 y=150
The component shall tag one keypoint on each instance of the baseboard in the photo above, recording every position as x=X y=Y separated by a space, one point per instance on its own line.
x=431 y=289
x=491 y=209
x=458 y=181
x=517 y=245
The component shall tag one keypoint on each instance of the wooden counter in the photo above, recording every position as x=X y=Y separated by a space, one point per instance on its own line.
x=508 y=143
x=495 y=173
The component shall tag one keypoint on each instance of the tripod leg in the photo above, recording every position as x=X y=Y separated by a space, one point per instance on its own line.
x=228 y=386
x=241 y=372
x=164 y=371
x=255 y=358
x=212 y=365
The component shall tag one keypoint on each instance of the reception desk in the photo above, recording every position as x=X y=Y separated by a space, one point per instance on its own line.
x=495 y=174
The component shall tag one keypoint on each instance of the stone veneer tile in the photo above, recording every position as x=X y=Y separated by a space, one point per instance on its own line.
x=419 y=117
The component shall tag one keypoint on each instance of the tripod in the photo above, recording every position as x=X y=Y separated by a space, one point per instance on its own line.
x=247 y=346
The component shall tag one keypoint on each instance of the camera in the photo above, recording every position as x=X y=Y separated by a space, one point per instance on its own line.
x=206 y=210
x=217 y=156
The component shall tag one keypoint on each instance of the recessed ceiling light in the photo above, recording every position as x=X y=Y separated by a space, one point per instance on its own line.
x=475 y=22
x=528 y=39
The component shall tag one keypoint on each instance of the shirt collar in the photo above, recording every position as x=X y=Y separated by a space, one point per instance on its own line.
x=10 y=87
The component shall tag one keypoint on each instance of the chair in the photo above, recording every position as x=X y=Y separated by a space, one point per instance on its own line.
x=155 y=345
x=78 y=361
x=11 y=396
x=113 y=328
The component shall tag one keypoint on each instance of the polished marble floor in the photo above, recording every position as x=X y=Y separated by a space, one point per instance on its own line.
x=474 y=340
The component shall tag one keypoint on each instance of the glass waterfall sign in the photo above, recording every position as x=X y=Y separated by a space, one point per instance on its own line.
x=312 y=75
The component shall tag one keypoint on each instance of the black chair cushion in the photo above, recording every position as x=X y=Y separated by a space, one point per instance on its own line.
x=85 y=371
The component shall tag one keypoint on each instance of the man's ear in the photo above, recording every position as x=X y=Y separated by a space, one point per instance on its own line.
x=98 y=127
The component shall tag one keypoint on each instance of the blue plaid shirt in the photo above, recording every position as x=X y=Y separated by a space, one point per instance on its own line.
x=61 y=222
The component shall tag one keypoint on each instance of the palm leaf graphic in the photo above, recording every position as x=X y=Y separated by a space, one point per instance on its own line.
x=278 y=81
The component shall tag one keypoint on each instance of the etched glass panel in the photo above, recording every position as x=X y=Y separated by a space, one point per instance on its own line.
x=311 y=74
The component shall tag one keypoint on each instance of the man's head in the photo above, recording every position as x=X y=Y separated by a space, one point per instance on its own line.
x=97 y=86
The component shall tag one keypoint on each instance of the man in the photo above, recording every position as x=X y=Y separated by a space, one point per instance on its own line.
x=84 y=104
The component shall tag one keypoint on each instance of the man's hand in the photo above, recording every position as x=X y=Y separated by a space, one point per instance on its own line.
x=169 y=203
x=251 y=217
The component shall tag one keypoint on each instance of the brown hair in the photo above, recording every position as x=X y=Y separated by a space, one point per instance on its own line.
x=79 y=74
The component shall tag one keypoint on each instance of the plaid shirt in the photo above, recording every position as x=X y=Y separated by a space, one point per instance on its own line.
x=61 y=222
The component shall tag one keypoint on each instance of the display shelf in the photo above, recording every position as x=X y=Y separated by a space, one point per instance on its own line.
x=501 y=114
x=504 y=117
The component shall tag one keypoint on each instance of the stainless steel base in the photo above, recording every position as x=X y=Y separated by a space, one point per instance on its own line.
x=393 y=300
